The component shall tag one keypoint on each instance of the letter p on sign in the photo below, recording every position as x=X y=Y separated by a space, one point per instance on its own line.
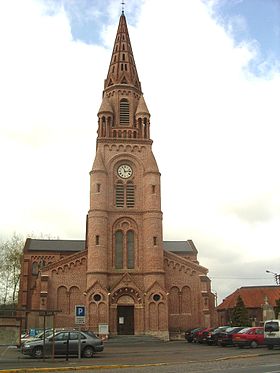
x=80 y=313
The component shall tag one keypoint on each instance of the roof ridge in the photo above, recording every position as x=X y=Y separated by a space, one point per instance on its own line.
x=64 y=260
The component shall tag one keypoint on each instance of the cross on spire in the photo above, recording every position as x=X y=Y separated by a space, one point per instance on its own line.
x=123 y=4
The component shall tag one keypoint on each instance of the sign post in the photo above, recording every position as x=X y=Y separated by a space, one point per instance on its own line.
x=80 y=319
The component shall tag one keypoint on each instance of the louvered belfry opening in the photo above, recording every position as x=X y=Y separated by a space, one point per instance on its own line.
x=124 y=112
x=125 y=196
x=130 y=194
x=119 y=194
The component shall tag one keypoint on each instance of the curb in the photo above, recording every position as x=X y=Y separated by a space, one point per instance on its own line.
x=82 y=367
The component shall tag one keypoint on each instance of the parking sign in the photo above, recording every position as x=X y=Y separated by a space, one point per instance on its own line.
x=80 y=314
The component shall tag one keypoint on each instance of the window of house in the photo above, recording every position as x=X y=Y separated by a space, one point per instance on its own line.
x=98 y=188
x=155 y=241
x=153 y=189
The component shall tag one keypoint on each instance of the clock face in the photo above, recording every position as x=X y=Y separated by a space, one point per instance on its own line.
x=125 y=171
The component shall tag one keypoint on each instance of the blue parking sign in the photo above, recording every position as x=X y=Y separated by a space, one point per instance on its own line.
x=80 y=311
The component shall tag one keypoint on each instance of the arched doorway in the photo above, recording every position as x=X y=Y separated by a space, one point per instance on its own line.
x=127 y=311
x=125 y=314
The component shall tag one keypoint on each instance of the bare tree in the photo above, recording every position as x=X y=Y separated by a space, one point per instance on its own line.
x=10 y=264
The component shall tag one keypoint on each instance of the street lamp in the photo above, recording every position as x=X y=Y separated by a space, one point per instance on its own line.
x=276 y=276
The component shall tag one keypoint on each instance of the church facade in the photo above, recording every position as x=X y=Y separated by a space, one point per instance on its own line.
x=127 y=277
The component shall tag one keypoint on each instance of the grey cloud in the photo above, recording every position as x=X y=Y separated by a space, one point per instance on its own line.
x=260 y=209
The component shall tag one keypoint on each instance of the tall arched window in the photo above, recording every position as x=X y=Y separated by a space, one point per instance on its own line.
x=124 y=112
x=130 y=249
x=124 y=249
x=119 y=249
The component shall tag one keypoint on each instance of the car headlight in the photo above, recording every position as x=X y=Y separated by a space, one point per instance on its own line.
x=26 y=345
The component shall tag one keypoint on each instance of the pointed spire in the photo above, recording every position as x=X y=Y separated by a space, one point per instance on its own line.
x=105 y=106
x=142 y=107
x=122 y=69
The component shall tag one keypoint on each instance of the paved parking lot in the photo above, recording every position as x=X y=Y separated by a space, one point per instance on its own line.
x=119 y=353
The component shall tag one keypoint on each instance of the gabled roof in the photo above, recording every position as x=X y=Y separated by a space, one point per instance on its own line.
x=252 y=296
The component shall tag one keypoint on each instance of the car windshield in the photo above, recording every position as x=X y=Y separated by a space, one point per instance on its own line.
x=272 y=326
x=243 y=331
x=47 y=334
x=228 y=330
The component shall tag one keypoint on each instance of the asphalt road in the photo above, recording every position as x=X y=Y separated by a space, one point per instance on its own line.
x=154 y=356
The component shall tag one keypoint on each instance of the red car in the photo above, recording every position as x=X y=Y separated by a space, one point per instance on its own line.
x=201 y=335
x=249 y=337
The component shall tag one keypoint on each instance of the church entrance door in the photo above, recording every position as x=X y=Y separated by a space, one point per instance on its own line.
x=125 y=320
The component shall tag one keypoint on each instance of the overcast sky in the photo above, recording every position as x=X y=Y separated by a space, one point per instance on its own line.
x=210 y=74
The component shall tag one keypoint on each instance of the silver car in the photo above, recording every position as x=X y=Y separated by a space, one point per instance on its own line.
x=64 y=343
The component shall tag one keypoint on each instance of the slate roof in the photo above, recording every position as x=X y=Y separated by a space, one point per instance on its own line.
x=179 y=246
x=252 y=296
x=79 y=245
x=54 y=245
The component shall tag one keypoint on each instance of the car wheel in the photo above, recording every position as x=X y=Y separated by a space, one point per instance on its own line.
x=37 y=352
x=254 y=344
x=270 y=347
x=88 y=352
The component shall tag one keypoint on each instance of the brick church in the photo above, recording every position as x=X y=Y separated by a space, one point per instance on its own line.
x=123 y=272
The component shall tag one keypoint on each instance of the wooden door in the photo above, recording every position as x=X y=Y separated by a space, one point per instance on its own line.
x=125 y=320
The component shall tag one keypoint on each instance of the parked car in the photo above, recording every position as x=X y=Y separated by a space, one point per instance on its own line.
x=191 y=333
x=225 y=338
x=212 y=337
x=272 y=333
x=201 y=335
x=249 y=337
x=62 y=341
x=28 y=338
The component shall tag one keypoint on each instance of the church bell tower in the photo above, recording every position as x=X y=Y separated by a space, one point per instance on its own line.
x=125 y=271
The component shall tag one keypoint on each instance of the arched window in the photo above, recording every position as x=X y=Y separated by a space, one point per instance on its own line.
x=125 y=243
x=119 y=249
x=124 y=112
x=130 y=249
x=35 y=268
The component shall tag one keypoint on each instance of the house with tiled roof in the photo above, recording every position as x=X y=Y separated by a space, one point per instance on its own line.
x=254 y=297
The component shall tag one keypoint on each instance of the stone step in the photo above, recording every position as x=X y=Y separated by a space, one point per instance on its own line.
x=132 y=339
